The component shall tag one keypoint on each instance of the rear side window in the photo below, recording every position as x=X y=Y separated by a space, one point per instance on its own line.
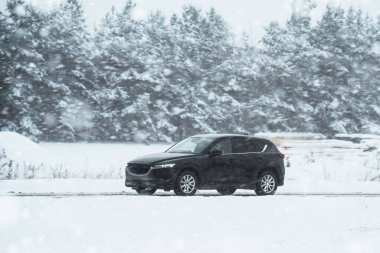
x=239 y=145
x=258 y=146
x=243 y=145
x=271 y=148
x=250 y=145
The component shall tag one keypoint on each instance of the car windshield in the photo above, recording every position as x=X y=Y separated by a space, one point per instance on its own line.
x=194 y=145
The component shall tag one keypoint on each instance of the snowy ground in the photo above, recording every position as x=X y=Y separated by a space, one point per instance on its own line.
x=197 y=224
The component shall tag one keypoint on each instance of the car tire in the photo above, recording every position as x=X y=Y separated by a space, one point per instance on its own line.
x=226 y=191
x=266 y=183
x=186 y=184
x=146 y=191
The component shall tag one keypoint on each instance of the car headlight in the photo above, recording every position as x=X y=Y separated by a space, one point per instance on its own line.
x=161 y=166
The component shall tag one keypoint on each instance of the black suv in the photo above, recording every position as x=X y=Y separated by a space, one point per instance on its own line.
x=224 y=162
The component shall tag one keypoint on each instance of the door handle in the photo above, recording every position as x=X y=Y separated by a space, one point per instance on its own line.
x=231 y=160
x=259 y=158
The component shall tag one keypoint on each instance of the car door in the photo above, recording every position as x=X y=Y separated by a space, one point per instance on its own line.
x=248 y=158
x=242 y=161
x=259 y=157
x=218 y=169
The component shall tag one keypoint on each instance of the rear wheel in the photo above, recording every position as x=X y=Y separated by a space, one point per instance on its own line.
x=226 y=191
x=266 y=184
x=146 y=191
x=186 y=184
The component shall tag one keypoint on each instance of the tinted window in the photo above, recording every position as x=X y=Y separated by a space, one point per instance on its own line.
x=240 y=145
x=271 y=148
x=250 y=145
x=258 y=146
x=224 y=145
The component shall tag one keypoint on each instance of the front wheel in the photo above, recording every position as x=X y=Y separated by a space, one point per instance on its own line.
x=186 y=184
x=146 y=191
x=266 y=184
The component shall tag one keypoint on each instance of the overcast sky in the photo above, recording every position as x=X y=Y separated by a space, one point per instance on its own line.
x=241 y=15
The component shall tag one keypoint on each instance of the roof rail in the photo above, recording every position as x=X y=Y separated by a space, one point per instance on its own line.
x=243 y=133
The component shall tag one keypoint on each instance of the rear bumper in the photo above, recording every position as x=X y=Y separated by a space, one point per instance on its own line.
x=281 y=175
x=281 y=182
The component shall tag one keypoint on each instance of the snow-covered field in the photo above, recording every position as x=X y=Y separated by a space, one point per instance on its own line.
x=136 y=224
x=69 y=160
x=309 y=158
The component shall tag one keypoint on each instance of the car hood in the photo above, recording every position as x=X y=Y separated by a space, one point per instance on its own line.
x=160 y=157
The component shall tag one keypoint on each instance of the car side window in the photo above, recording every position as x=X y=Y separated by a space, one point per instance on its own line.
x=239 y=145
x=224 y=145
x=259 y=146
x=271 y=148
x=251 y=146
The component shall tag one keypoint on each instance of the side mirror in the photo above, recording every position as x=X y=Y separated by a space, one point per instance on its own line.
x=216 y=152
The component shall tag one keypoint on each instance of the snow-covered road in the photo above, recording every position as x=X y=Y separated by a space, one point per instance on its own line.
x=197 y=224
x=168 y=194
x=68 y=187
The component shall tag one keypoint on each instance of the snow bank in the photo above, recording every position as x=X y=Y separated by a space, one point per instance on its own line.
x=100 y=160
x=359 y=136
x=369 y=139
x=21 y=149
x=22 y=158
x=27 y=159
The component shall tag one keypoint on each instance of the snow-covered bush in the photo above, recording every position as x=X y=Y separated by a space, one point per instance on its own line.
x=5 y=166
x=374 y=171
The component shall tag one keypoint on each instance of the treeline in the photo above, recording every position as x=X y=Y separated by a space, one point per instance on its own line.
x=163 y=80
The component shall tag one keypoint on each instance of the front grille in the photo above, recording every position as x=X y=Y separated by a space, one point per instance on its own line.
x=138 y=169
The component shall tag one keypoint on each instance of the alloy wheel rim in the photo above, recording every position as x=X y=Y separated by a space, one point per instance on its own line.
x=187 y=183
x=268 y=183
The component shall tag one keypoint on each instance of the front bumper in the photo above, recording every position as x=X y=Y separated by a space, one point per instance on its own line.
x=154 y=178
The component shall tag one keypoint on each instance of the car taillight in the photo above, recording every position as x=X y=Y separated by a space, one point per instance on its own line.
x=281 y=155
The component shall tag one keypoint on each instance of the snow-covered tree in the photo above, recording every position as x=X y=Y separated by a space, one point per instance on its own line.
x=21 y=69
x=162 y=80
x=67 y=50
